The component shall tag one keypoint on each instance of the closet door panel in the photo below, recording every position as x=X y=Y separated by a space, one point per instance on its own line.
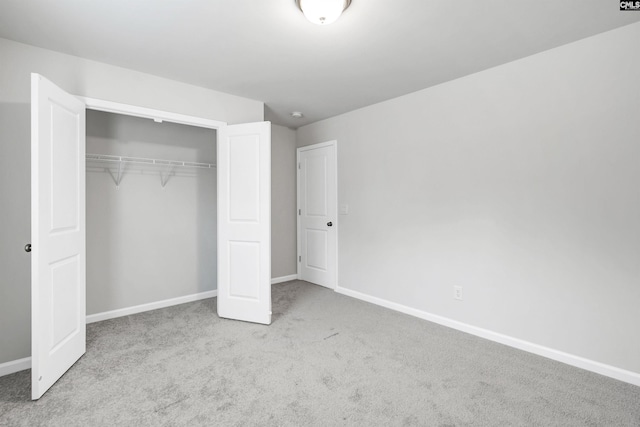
x=58 y=265
x=244 y=222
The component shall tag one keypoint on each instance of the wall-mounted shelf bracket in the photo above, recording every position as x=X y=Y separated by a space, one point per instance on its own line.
x=164 y=177
x=116 y=178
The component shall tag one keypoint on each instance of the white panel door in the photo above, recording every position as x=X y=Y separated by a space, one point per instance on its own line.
x=244 y=222
x=58 y=326
x=317 y=213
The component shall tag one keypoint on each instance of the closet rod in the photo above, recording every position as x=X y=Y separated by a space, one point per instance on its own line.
x=106 y=158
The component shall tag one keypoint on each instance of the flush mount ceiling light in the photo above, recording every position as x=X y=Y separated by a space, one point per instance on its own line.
x=323 y=12
x=297 y=115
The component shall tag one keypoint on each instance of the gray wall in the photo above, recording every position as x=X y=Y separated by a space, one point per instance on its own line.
x=146 y=243
x=519 y=183
x=283 y=201
x=81 y=77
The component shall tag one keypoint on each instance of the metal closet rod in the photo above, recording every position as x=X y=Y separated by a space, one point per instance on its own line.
x=167 y=167
x=106 y=158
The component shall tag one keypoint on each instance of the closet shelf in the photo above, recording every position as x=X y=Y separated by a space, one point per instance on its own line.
x=166 y=168
x=105 y=158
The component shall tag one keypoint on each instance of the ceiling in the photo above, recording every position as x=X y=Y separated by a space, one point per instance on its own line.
x=266 y=50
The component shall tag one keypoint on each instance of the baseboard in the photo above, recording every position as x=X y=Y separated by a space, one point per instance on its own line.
x=150 y=306
x=15 y=366
x=282 y=279
x=550 y=353
x=168 y=303
x=570 y=359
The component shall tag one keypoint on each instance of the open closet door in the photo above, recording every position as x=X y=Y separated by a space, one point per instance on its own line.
x=244 y=222
x=58 y=325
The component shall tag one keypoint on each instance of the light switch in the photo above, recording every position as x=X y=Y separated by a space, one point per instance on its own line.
x=344 y=210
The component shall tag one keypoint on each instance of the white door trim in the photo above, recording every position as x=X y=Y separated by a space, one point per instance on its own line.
x=149 y=113
x=332 y=143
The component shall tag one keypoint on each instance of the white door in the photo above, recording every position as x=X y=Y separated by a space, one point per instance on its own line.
x=244 y=222
x=58 y=327
x=317 y=213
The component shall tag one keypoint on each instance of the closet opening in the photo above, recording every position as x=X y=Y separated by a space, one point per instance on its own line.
x=151 y=213
x=59 y=209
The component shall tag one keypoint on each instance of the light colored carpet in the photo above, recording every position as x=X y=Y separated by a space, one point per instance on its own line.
x=327 y=360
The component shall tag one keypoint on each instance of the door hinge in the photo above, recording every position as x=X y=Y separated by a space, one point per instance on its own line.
x=298 y=165
x=299 y=211
x=299 y=258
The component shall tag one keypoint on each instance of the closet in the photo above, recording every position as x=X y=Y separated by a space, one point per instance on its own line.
x=155 y=224
x=150 y=211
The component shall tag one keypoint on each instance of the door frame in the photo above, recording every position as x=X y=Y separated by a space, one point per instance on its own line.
x=334 y=159
x=149 y=113
x=221 y=131
x=156 y=115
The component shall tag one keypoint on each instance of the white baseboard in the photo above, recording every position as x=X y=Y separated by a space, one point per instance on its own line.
x=167 y=303
x=148 y=307
x=282 y=279
x=15 y=366
x=560 y=356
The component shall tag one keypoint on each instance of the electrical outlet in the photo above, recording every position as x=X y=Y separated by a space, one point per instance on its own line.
x=457 y=292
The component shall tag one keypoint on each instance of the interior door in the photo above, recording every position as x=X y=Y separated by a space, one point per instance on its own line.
x=58 y=327
x=244 y=222
x=317 y=213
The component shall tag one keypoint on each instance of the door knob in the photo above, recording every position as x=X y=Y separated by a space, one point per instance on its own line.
x=329 y=224
x=27 y=247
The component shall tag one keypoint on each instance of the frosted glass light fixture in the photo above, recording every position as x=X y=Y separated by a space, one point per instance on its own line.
x=323 y=12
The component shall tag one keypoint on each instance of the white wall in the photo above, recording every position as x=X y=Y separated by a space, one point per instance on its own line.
x=146 y=243
x=519 y=183
x=283 y=201
x=81 y=77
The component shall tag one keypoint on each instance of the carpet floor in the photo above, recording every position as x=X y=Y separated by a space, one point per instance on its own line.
x=326 y=360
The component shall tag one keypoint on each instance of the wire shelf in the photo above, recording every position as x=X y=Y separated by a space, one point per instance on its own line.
x=167 y=168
